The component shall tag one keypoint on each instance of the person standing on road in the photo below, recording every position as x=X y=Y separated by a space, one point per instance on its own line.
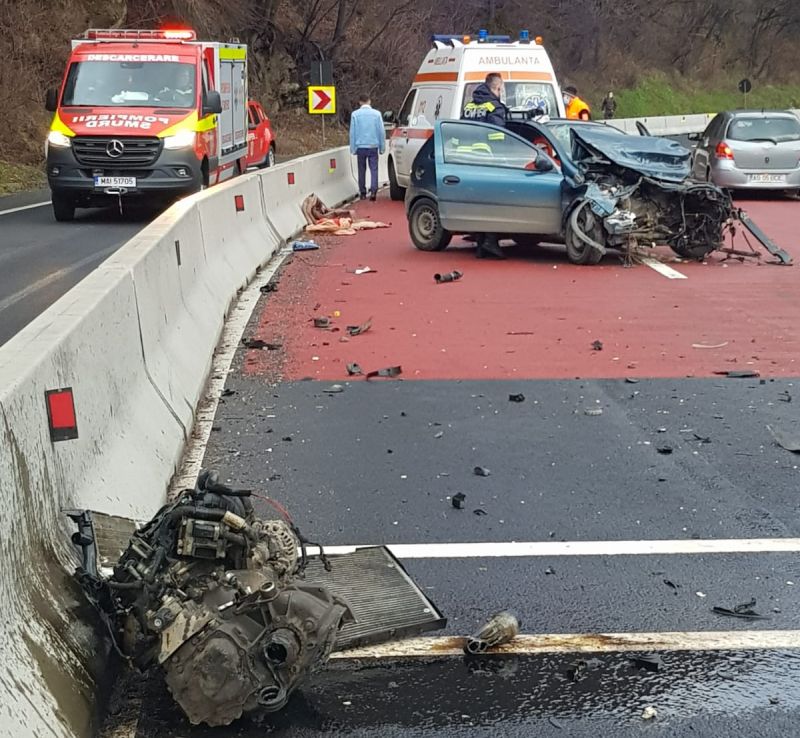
x=577 y=109
x=609 y=106
x=367 y=142
x=487 y=106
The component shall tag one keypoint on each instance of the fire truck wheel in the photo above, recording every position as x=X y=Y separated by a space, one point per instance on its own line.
x=63 y=208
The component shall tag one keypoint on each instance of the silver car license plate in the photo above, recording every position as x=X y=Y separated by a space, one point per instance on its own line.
x=768 y=178
x=115 y=181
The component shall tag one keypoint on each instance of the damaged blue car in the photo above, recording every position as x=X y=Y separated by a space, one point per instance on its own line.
x=587 y=185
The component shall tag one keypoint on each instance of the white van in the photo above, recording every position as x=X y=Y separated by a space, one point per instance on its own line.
x=450 y=72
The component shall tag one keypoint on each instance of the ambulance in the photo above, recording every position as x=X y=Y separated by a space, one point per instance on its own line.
x=145 y=116
x=450 y=72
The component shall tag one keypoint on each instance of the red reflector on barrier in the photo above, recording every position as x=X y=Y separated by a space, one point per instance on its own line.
x=290 y=177
x=333 y=163
x=239 y=200
x=61 y=414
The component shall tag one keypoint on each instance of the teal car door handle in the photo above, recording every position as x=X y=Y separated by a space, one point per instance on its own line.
x=450 y=179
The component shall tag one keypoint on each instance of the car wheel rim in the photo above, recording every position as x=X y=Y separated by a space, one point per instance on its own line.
x=271 y=157
x=427 y=223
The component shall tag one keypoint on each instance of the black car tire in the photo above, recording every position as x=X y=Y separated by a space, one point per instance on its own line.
x=396 y=192
x=526 y=240
x=425 y=226
x=578 y=251
x=63 y=207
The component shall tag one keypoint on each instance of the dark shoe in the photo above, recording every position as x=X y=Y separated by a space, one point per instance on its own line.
x=489 y=247
x=362 y=196
x=373 y=196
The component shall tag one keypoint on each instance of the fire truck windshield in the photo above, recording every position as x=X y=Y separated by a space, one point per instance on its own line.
x=131 y=84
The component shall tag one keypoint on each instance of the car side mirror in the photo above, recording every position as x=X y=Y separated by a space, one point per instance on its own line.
x=212 y=104
x=695 y=136
x=543 y=164
x=51 y=100
x=388 y=116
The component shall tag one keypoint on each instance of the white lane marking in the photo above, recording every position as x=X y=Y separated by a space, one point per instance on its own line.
x=25 y=207
x=737 y=640
x=663 y=269
x=220 y=368
x=579 y=548
x=54 y=277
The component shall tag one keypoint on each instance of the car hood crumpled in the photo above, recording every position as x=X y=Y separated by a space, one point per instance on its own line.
x=659 y=158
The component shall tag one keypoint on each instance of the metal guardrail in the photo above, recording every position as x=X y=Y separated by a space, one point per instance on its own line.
x=671 y=125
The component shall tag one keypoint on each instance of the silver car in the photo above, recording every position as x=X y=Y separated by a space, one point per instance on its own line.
x=747 y=149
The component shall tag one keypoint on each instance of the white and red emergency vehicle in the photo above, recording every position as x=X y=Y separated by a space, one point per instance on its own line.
x=145 y=115
x=449 y=73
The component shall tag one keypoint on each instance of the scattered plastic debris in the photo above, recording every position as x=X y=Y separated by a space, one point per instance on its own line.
x=304 y=245
x=789 y=441
x=228 y=392
x=739 y=374
x=664 y=450
x=593 y=411
x=322 y=322
x=549 y=571
x=702 y=439
x=597 y=345
x=453 y=276
x=479 y=511
x=670 y=584
x=357 y=330
x=516 y=398
x=744 y=611
x=439 y=434
x=701 y=595
x=649 y=713
x=389 y=371
x=257 y=343
x=631 y=380
x=334 y=389
x=709 y=345
x=354 y=369
x=363 y=270
x=457 y=500
x=268 y=287
x=502 y=628
x=481 y=471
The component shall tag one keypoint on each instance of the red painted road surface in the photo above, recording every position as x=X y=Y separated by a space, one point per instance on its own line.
x=533 y=315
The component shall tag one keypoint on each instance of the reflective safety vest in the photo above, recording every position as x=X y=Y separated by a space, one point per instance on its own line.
x=577 y=109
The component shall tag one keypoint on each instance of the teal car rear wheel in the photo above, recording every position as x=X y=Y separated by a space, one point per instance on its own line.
x=425 y=226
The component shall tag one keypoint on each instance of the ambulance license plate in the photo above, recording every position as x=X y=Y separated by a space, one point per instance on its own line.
x=115 y=181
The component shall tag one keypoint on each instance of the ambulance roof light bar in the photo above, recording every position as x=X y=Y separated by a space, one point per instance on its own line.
x=117 y=34
x=453 y=39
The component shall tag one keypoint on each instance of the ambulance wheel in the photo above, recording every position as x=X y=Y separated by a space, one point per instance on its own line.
x=425 y=226
x=63 y=208
x=396 y=192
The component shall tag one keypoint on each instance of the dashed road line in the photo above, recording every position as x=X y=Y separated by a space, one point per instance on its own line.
x=515 y=549
x=737 y=640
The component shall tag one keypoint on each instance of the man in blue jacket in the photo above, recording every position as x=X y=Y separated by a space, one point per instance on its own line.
x=367 y=142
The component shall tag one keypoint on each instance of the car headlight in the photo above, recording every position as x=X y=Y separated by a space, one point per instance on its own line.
x=181 y=140
x=58 y=139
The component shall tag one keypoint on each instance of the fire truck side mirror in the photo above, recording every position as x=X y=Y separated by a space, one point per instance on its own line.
x=51 y=100
x=213 y=103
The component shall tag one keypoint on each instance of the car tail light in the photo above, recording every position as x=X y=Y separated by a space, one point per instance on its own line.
x=724 y=151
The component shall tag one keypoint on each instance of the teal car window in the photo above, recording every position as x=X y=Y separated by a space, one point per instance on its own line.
x=471 y=143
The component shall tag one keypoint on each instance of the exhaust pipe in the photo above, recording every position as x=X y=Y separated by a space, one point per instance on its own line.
x=502 y=628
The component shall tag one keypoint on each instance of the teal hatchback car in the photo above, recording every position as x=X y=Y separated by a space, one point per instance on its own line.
x=589 y=186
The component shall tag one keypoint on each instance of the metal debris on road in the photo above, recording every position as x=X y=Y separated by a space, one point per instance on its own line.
x=516 y=398
x=322 y=322
x=502 y=628
x=649 y=713
x=631 y=380
x=549 y=571
x=785 y=439
x=334 y=389
x=354 y=369
x=357 y=330
x=479 y=511
x=257 y=343
x=457 y=500
x=671 y=585
x=597 y=345
x=227 y=392
x=481 y=471
x=785 y=396
x=739 y=374
x=268 y=287
x=664 y=450
x=744 y=611
x=453 y=276
x=389 y=371
x=593 y=411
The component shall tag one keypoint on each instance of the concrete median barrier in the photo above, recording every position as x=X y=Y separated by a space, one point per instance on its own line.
x=132 y=344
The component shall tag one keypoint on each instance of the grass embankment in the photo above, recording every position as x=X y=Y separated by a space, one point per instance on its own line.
x=20 y=178
x=658 y=95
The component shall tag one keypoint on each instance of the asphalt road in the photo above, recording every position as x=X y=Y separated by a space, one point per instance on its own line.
x=41 y=259
x=678 y=454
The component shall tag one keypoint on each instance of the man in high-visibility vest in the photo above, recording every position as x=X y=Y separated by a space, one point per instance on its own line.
x=577 y=109
x=487 y=106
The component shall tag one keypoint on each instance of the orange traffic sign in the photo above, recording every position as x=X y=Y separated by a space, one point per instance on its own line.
x=321 y=100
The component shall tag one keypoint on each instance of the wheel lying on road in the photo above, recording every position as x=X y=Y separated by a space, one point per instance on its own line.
x=425 y=226
x=396 y=192
x=63 y=208
x=583 y=228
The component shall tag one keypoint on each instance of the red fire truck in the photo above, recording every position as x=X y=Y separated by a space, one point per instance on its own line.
x=145 y=116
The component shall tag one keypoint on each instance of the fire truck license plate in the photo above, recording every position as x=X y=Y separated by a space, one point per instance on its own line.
x=115 y=181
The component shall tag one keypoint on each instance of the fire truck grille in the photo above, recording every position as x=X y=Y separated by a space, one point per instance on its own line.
x=108 y=151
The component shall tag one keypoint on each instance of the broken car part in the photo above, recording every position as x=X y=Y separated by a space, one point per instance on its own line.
x=389 y=371
x=449 y=277
x=502 y=628
x=211 y=594
x=516 y=398
x=457 y=500
x=357 y=330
